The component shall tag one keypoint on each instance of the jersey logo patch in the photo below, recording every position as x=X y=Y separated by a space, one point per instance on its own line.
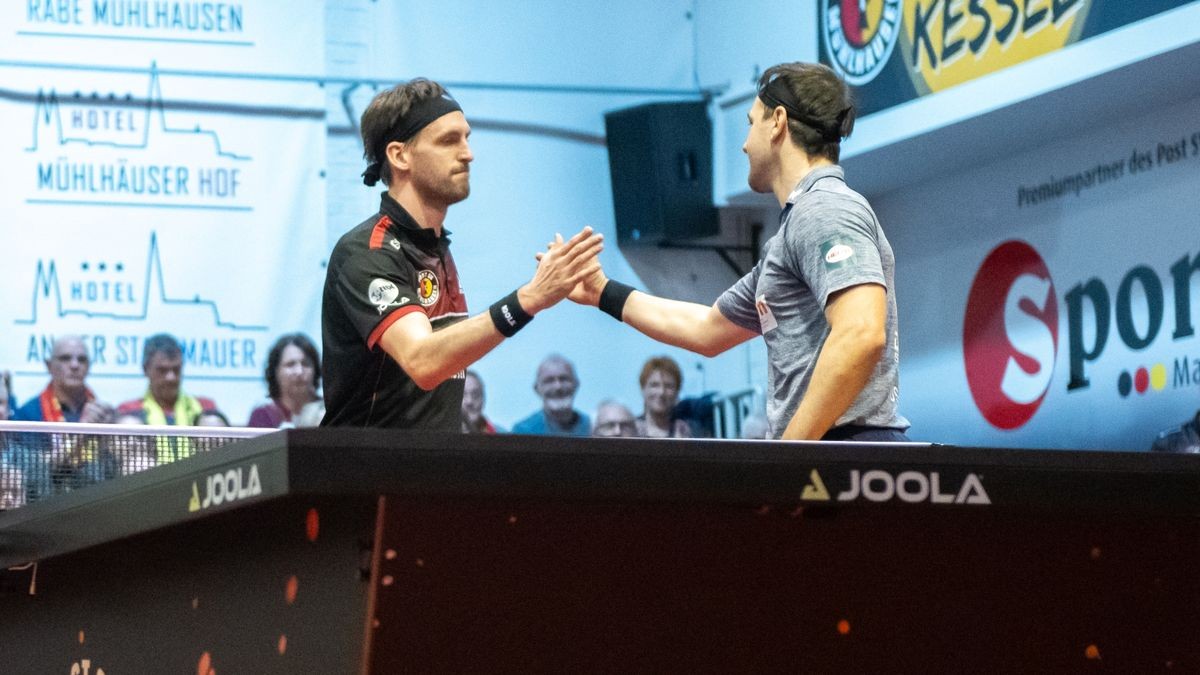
x=766 y=319
x=383 y=294
x=836 y=254
x=428 y=289
x=394 y=243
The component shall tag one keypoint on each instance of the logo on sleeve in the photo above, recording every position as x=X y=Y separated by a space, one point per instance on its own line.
x=395 y=243
x=836 y=254
x=383 y=294
x=427 y=288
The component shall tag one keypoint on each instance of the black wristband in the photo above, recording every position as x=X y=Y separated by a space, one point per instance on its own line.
x=508 y=315
x=613 y=297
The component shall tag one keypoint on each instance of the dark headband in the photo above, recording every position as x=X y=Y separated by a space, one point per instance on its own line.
x=419 y=116
x=777 y=93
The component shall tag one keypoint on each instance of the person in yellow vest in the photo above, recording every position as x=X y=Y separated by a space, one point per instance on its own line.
x=165 y=402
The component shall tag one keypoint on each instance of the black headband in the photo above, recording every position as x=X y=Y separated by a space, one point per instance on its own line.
x=419 y=116
x=776 y=93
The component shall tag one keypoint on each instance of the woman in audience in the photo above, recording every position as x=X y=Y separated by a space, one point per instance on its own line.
x=293 y=374
x=661 y=380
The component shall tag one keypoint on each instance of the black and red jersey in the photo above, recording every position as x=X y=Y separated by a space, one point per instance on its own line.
x=385 y=268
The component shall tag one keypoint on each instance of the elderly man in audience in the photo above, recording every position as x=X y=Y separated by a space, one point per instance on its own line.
x=67 y=398
x=556 y=384
x=614 y=420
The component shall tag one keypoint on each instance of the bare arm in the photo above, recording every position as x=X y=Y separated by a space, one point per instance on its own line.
x=431 y=359
x=689 y=325
x=857 y=337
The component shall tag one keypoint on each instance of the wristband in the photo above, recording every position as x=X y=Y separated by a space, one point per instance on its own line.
x=613 y=298
x=508 y=315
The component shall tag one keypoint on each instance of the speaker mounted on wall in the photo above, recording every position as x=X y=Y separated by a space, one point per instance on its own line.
x=660 y=160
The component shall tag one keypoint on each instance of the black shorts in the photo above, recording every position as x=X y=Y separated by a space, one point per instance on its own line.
x=854 y=432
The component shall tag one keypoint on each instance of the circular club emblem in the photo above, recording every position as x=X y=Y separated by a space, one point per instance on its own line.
x=427 y=288
x=1010 y=334
x=859 y=36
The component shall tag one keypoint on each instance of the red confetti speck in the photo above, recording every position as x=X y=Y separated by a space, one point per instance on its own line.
x=312 y=524
x=843 y=627
x=1092 y=652
x=204 y=667
x=80 y=637
x=291 y=589
x=282 y=644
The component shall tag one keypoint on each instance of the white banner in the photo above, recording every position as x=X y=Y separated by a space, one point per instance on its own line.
x=153 y=185
x=1052 y=299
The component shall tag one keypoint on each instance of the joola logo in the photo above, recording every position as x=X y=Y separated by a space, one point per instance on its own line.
x=914 y=487
x=230 y=486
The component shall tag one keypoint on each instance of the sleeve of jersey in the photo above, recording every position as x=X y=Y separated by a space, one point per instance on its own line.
x=376 y=289
x=738 y=303
x=834 y=248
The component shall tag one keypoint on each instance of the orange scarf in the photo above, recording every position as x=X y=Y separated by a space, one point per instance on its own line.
x=52 y=410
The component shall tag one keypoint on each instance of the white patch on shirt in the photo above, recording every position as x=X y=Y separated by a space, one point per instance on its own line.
x=383 y=294
x=766 y=319
x=838 y=253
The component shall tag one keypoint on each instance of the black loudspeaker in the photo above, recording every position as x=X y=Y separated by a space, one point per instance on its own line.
x=660 y=158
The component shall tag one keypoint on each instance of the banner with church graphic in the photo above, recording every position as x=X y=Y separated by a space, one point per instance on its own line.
x=155 y=184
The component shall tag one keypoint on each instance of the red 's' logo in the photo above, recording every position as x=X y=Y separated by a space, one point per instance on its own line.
x=1010 y=334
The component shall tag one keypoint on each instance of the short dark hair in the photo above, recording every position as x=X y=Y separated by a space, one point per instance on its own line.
x=665 y=364
x=160 y=344
x=822 y=97
x=305 y=345
x=385 y=112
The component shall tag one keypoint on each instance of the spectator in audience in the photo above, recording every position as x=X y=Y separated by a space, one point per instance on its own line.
x=12 y=487
x=293 y=375
x=556 y=384
x=472 y=407
x=661 y=380
x=613 y=420
x=67 y=398
x=7 y=400
x=6 y=410
x=1184 y=438
x=133 y=452
x=165 y=402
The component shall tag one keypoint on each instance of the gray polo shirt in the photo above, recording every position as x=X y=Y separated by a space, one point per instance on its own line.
x=829 y=240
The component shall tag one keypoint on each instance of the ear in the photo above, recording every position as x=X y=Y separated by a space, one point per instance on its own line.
x=779 y=123
x=398 y=155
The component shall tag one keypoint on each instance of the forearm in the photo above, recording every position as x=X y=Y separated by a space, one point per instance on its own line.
x=674 y=322
x=843 y=368
x=437 y=356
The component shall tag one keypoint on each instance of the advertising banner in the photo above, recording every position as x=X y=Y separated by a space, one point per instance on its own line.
x=153 y=184
x=1052 y=299
x=894 y=51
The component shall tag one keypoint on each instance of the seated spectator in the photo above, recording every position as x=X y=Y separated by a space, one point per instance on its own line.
x=661 y=380
x=7 y=403
x=473 y=421
x=67 y=398
x=293 y=375
x=556 y=384
x=1184 y=438
x=6 y=410
x=165 y=402
x=133 y=452
x=614 y=420
x=12 y=487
